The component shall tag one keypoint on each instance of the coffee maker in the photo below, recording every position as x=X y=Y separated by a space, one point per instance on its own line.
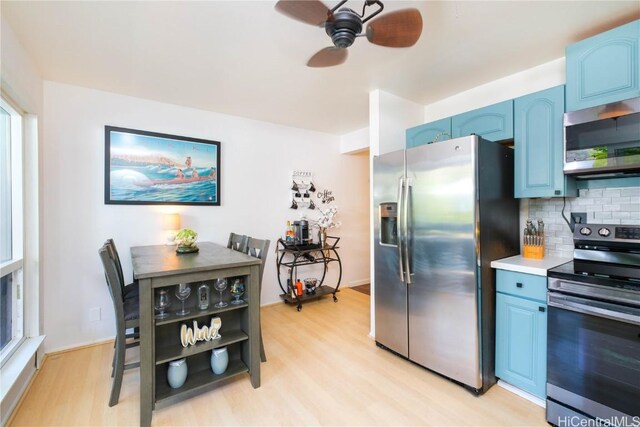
x=301 y=229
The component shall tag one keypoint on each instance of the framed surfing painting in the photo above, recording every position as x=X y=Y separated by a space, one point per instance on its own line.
x=148 y=168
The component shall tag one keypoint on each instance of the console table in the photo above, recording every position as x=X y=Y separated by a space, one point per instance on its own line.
x=158 y=267
x=291 y=256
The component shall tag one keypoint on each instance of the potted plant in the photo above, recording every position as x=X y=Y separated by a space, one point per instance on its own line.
x=186 y=241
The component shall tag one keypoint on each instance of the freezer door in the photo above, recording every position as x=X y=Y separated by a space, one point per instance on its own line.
x=390 y=291
x=443 y=308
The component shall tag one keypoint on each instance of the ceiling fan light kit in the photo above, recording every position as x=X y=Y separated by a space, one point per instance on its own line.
x=401 y=28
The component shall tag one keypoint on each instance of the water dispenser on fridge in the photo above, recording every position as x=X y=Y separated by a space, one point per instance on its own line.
x=389 y=224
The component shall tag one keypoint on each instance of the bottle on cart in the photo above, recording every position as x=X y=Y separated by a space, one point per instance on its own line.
x=299 y=288
x=288 y=234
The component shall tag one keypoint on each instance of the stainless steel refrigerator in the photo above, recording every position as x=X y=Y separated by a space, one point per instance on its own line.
x=443 y=212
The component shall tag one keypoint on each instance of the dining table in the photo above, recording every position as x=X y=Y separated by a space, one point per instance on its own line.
x=160 y=267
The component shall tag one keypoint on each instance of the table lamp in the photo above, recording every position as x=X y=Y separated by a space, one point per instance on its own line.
x=171 y=225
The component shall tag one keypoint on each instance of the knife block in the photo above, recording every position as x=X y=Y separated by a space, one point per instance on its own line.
x=533 y=251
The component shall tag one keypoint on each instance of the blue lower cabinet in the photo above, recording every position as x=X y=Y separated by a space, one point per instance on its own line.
x=521 y=343
x=440 y=130
x=494 y=123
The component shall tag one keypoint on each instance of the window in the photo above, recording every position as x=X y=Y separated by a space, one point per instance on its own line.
x=11 y=231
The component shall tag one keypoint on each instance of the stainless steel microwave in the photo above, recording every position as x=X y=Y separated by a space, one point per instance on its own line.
x=603 y=141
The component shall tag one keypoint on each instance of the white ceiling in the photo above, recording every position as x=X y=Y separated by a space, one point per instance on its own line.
x=244 y=58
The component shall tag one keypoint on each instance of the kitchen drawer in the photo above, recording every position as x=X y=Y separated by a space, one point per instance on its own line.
x=522 y=285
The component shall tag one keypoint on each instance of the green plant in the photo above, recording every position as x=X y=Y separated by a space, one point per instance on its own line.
x=186 y=237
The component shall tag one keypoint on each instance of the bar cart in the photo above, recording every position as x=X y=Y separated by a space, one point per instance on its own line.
x=290 y=256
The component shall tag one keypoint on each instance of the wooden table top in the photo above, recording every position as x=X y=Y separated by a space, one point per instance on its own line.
x=162 y=260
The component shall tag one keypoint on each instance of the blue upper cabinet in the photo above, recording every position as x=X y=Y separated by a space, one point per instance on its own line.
x=538 y=140
x=494 y=122
x=604 y=68
x=440 y=130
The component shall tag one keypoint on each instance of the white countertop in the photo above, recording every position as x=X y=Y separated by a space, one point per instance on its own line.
x=521 y=264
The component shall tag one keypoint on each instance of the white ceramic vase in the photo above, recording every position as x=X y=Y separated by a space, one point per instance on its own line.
x=177 y=373
x=219 y=360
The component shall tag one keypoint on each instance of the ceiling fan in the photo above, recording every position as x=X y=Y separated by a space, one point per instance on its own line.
x=401 y=28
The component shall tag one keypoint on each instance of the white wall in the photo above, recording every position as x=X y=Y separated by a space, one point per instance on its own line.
x=525 y=82
x=389 y=117
x=355 y=142
x=257 y=160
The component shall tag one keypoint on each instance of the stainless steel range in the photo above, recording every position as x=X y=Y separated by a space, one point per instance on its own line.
x=593 y=338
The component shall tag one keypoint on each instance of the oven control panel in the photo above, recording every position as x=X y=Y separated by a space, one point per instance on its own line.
x=607 y=232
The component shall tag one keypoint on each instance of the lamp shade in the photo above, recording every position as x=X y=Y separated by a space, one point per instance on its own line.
x=171 y=221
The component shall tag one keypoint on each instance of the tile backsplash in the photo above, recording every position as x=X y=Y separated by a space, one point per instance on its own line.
x=602 y=205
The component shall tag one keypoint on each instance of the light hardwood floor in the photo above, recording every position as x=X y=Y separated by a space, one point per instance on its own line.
x=322 y=369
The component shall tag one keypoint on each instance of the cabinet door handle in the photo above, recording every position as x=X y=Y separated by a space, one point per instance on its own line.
x=542 y=309
x=519 y=285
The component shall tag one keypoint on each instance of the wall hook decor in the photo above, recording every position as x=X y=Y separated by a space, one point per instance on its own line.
x=311 y=187
x=294 y=205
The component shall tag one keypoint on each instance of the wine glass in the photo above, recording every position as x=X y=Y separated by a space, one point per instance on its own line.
x=182 y=293
x=220 y=285
x=162 y=303
x=237 y=290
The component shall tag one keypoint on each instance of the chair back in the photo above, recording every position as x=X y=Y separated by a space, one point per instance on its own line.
x=114 y=282
x=113 y=252
x=258 y=248
x=238 y=242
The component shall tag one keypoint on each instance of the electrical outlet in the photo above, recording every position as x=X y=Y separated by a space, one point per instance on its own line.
x=578 y=218
x=94 y=314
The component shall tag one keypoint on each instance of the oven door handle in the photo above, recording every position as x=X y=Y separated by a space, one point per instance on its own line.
x=596 y=308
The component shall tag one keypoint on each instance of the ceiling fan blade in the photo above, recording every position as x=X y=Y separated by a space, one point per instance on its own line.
x=328 y=57
x=312 y=12
x=401 y=28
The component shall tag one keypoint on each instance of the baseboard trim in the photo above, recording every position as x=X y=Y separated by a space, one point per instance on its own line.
x=78 y=347
x=358 y=283
x=515 y=390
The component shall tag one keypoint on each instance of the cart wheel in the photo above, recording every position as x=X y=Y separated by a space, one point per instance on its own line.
x=335 y=299
x=299 y=308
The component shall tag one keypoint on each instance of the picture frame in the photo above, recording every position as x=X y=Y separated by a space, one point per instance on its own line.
x=150 y=168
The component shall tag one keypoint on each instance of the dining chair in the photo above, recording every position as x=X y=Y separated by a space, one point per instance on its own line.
x=127 y=290
x=259 y=249
x=126 y=315
x=238 y=242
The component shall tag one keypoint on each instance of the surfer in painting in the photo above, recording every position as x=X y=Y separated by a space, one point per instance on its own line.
x=195 y=173
x=212 y=173
x=188 y=162
x=180 y=174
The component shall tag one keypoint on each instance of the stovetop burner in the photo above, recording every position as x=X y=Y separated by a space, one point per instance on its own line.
x=567 y=271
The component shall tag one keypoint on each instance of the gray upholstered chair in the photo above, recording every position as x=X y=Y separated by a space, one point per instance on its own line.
x=127 y=317
x=238 y=242
x=259 y=249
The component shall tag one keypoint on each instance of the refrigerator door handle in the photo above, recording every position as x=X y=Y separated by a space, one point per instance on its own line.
x=400 y=230
x=407 y=264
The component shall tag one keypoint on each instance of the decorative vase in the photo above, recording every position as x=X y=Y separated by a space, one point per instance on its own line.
x=177 y=373
x=322 y=237
x=219 y=360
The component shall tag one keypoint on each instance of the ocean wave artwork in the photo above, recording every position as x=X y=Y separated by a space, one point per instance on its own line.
x=159 y=169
